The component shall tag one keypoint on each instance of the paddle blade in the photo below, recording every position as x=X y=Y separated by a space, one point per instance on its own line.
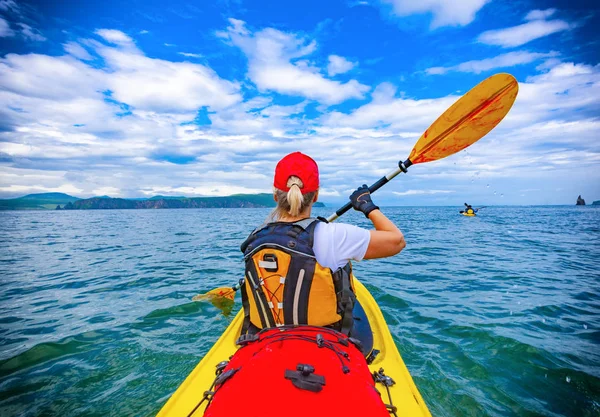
x=469 y=119
x=217 y=293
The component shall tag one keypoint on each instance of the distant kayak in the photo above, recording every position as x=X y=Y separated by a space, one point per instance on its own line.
x=470 y=211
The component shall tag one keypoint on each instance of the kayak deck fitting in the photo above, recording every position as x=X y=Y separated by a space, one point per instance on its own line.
x=404 y=395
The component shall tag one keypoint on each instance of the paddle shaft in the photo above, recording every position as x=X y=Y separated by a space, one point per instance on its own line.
x=402 y=167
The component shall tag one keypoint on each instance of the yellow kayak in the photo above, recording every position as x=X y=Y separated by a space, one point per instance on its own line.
x=469 y=214
x=405 y=395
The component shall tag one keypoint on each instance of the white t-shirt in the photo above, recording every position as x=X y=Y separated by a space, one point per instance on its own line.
x=336 y=243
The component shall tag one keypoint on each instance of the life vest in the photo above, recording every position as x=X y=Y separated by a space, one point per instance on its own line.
x=470 y=211
x=284 y=283
x=294 y=372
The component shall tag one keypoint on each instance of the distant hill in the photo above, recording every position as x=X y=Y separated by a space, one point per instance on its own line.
x=66 y=202
x=41 y=201
x=49 y=197
x=233 y=201
x=165 y=197
x=200 y=202
x=596 y=203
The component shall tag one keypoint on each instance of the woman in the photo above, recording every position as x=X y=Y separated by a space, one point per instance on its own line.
x=298 y=268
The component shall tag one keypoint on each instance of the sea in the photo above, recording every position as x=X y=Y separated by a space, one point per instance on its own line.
x=494 y=315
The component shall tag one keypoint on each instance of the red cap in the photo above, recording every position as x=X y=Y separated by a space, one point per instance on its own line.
x=301 y=166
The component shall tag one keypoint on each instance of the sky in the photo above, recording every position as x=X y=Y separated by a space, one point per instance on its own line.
x=143 y=98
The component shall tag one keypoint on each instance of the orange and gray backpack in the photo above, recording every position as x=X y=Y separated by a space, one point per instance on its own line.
x=285 y=285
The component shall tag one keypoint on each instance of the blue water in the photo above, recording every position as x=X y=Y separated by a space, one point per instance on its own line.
x=497 y=315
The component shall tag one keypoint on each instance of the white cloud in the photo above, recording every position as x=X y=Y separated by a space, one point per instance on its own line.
x=445 y=12
x=156 y=84
x=114 y=36
x=5 y=30
x=190 y=55
x=338 y=65
x=10 y=6
x=43 y=76
x=385 y=110
x=270 y=54
x=30 y=33
x=109 y=191
x=77 y=51
x=160 y=85
x=59 y=131
x=522 y=34
x=28 y=189
x=540 y=14
x=536 y=27
x=18 y=15
x=507 y=60
x=208 y=190
x=422 y=192
x=143 y=32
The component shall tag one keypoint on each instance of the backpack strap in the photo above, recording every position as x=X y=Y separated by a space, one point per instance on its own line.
x=345 y=295
x=298 y=227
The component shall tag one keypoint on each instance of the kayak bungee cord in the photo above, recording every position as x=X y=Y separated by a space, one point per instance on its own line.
x=387 y=382
x=280 y=336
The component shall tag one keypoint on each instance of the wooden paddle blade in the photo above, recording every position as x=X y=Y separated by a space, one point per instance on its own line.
x=469 y=119
x=222 y=292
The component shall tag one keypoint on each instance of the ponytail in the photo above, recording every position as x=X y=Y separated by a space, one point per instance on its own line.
x=294 y=196
x=292 y=203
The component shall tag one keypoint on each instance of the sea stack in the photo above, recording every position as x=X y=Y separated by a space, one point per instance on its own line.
x=580 y=201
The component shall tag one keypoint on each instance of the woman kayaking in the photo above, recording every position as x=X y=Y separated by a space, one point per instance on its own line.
x=298 y=268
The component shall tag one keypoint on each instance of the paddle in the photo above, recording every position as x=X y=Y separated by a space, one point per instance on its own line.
x=469 y=119
x=221 y=292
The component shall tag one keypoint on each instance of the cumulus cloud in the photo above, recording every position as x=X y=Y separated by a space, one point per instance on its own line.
x=445 y=12
x=160 y=85
x=114 y=36
x=540 y=14
x=507 y=60
x=385 y=110
x=35 y=188
x=275 y=64
x=78 y=51
x=338 y=65
x=536 y=27
x=5 y=30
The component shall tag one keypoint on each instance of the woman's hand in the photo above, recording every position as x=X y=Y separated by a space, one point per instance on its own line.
x=361 y=200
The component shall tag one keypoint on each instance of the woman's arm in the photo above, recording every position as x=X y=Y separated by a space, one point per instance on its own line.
x=386 y=239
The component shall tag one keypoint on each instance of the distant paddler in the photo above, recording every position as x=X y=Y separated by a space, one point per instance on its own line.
x=469 y=211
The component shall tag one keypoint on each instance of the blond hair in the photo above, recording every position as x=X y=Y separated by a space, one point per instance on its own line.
x=293 y=202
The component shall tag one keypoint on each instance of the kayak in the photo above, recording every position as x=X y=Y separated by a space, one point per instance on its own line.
x=469 y=214
x=301 y=370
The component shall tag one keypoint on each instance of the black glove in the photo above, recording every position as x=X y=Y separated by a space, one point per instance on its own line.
x=361 y=200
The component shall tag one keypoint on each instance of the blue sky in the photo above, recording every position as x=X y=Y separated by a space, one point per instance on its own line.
x=140 y=98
